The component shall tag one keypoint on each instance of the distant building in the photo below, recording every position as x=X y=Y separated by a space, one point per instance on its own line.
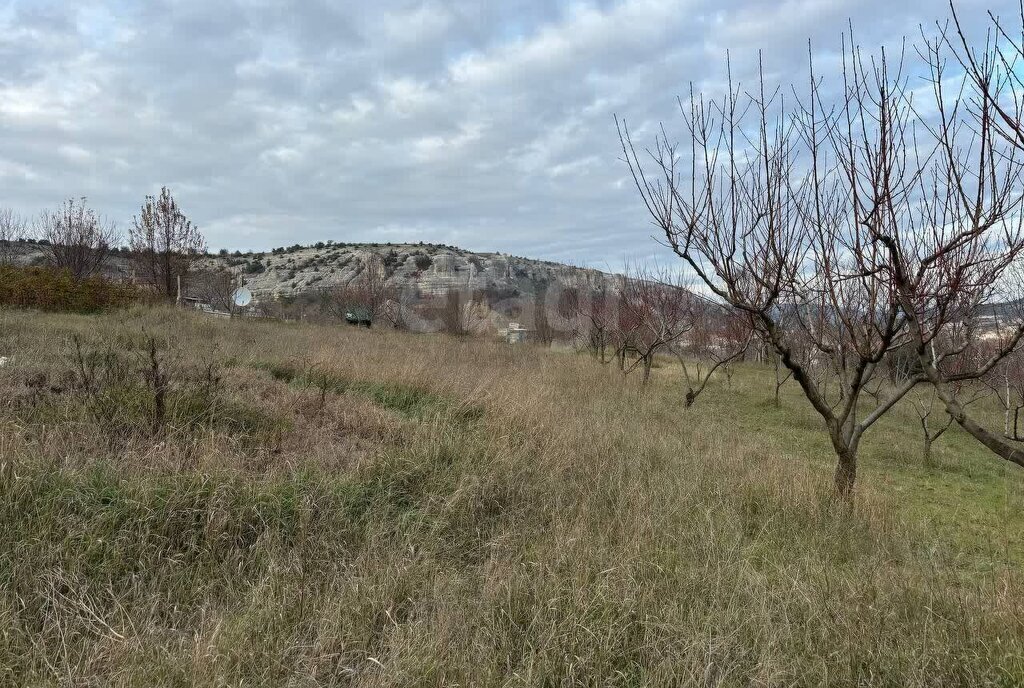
x=516 y=334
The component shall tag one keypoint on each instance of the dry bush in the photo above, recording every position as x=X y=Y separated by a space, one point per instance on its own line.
x=49 y=289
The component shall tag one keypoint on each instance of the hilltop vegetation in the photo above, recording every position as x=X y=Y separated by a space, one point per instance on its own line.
x=193 y=501
x=294 y=270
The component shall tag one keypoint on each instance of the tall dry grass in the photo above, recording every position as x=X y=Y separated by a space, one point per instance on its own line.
x=324 y=506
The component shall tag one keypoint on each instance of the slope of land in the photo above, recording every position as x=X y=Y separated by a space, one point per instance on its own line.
x=321 y=506
x=426 y=269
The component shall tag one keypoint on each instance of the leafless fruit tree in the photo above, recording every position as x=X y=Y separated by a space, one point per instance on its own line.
x=716 y=339
x=595 y=314
x=852 y=222
x=77 y=238
x=655 y=313
x=1006 y=381
x=165 y=245
x=931 y=431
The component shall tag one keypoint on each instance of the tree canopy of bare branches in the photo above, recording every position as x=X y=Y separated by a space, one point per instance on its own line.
x=655 y=311
x=77 y=239
x=164 y=243
x=370 y=293
x=850 y=220
x=215 y=287
x=716 y=339
x=594 y=313
x=12 y=229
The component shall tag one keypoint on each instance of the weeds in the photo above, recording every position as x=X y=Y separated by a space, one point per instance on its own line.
x=339 y=523
x=408 y=400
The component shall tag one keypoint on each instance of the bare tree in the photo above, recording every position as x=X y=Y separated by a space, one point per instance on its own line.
x=455 y=313
x=770 y=244
x=595 y=313
x=925 y=408
x=215 y=287
x=12 y=230
x=165 y=244
x=1006 y=382
x=655 y=313
x=949 y=279
x=370 y=293
x=77 y=239
x=877 y=227
x=543 y=330
x=716 y=339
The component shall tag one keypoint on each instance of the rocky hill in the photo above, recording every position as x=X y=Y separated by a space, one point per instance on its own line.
x=426 y=269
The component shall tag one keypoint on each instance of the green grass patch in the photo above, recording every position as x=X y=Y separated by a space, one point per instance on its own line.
x=406 y=400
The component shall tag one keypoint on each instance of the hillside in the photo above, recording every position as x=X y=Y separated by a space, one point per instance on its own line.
x=425 y=269
x=344 y=507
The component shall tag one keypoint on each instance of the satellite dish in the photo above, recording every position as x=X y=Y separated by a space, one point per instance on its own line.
x=242 y=297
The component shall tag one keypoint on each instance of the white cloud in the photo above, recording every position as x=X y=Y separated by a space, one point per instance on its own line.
x=482 y=123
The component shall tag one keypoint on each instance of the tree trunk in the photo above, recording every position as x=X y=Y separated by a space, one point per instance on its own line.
x=691 y=396
x=846 y=474
x=648 y=362
x=927 y=452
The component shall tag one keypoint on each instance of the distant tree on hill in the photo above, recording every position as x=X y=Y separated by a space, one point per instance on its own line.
x=423 y=262
x=76 y=238
x=164 y=242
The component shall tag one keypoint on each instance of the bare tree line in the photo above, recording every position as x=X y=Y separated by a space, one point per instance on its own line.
x=164 y=244
x=649 y=313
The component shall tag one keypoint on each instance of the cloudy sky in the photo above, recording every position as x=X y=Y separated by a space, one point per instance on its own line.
x=486 y=124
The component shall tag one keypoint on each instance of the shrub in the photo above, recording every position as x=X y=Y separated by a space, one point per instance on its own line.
x=55 y=290
x=423 y=262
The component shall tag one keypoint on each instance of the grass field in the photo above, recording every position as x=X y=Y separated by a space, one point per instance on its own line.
x=325 y=506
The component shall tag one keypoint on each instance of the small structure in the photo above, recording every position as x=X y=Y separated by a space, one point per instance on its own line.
x=359 y=316
x=202 y=306
x=516 y=334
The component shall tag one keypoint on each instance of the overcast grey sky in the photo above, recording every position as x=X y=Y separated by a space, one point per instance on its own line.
x=482 y=124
